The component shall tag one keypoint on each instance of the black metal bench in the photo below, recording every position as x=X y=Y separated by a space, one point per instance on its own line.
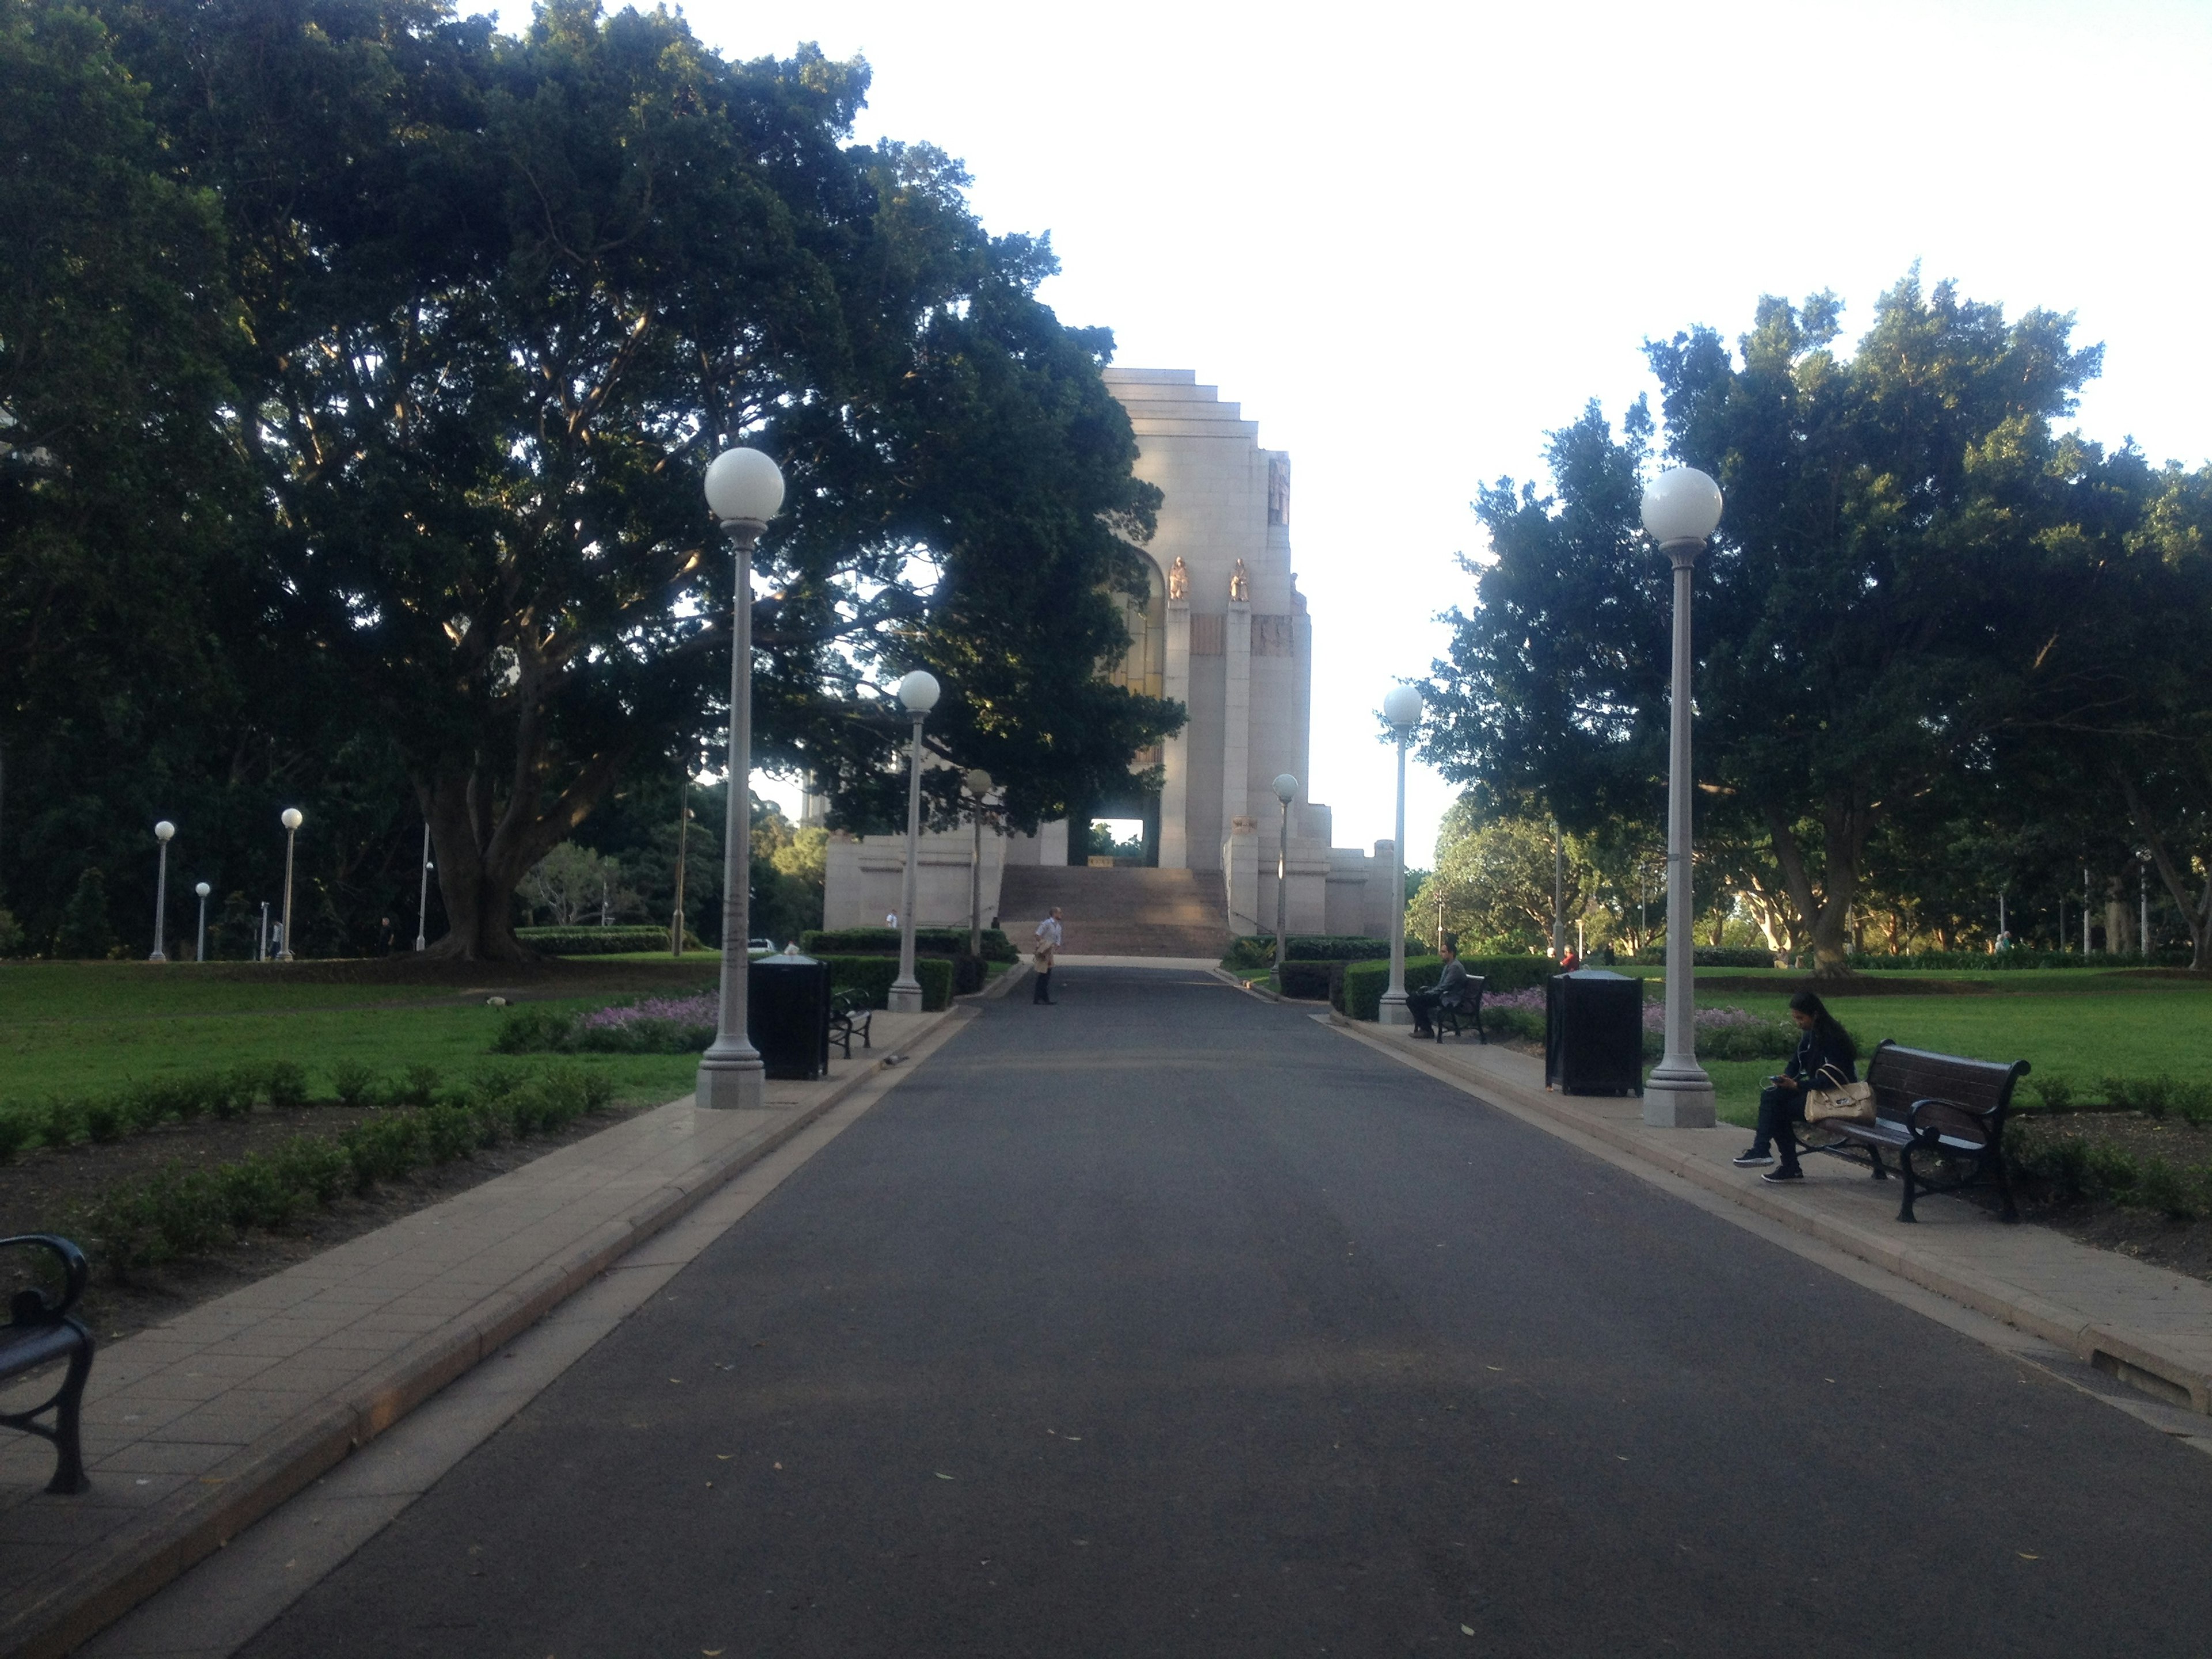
x=850 y=1017
x=1469 y=1011
x=42 y=1329
x=1948 y=1112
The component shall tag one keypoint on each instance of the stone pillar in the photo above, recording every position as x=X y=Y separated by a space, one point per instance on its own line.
x=1240 y=877
x=1236 y=717
x=1174 y=789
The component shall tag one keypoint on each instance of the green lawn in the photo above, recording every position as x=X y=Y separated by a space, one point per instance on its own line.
x=90 y=1028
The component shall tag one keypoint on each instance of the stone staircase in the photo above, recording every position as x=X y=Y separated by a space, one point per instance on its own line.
x=1119 y=912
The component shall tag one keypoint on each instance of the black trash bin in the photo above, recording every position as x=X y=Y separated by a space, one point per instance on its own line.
x=788 y=1014
x=1594 y=1033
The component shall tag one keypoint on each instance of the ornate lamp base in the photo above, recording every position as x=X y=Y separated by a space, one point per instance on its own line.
x=732 y=1088
x=905 y=997
x=1678 y=1095
x=1393 y=1011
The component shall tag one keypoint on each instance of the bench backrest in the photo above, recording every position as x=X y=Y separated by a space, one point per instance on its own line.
x=1899 y=1075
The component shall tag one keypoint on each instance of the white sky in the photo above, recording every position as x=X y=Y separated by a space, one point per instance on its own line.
x=1410 y=239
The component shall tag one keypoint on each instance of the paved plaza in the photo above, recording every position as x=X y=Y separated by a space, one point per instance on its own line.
x=1249 y=1338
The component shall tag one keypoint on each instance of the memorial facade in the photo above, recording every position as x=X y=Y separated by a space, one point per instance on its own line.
x=1225 y=632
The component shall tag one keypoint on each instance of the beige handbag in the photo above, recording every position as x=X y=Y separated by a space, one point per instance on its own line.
x=1852 y=1101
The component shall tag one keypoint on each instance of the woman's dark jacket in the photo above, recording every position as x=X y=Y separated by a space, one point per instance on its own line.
x=1816 y=1054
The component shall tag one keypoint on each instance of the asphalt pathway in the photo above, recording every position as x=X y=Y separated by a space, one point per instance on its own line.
x=1166 y=1321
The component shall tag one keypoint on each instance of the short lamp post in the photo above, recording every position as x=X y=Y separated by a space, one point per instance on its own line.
x=293 y=818
x=979 y=784
x=162 y=832
x=1287 y=790
x=1401 y=708
x=1681 y=510
x=918 y=692
x=744 y=489
x=203 y=890
x=422 y=899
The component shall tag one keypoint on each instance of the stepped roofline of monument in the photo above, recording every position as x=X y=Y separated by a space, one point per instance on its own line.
x=1152 y=376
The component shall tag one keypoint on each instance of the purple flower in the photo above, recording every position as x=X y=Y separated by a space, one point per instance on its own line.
x=699 y=1010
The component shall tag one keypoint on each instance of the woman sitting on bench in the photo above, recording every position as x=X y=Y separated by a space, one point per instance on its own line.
x=1825 y=1056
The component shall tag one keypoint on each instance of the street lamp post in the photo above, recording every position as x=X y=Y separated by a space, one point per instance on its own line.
x=1681 y=509
x=162 y=832
x=1401 y=708
x=979 y=784
x=1287 y=790
x=291 y=820
x=263 y=955
x=743 y=489
x=203 y=890
x=683 y=851
x=2142 y=903
x=918 y=691
x=422 y=899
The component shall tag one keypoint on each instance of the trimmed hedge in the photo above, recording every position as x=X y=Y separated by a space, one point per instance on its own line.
x=884 y=941
x=600 y=941
x=1308 y=982
x=872 y=977
x=1258 y=950
x=1357 y=989
x=1981 y=961
x=1709 y=955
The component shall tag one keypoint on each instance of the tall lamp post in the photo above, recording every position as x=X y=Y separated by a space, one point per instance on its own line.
x=1401 y=708
x=743 y=490
x=293 y=818
x=1287 y=790
x=203 y=890
x=918 y=691
x=1681 y=509
x=979 y=784
x=422 y=899
x=162 y=832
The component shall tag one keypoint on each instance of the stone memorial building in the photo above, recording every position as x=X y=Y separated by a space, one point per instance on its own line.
x=1225 y=632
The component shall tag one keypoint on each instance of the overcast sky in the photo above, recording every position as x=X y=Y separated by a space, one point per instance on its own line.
x=1409 y=239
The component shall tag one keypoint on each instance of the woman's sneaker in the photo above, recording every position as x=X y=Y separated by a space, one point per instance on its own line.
x=1784 y=1174
x=1751 y=1158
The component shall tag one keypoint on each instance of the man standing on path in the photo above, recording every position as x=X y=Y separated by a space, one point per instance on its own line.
x=1048 y=942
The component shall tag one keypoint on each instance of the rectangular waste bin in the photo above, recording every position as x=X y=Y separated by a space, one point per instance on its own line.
x=1594 y=1033
x=788 y=1014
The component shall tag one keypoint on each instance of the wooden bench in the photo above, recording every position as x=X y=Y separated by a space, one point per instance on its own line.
x=1948 y=1112
x=850 y=1017
x=42 y=1329
x=1470 y=1010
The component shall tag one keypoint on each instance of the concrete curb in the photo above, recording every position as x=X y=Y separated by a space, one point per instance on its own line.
x=97 y=1588
x=2109 y=1347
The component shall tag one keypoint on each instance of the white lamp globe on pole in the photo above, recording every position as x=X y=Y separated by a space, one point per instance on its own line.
x=1401 y=708
x=162 y=832
x=744 y=489
x=203 y=890
x=979 y=784
x=1287 y=790
x=292 y=819
x=1681 y=509
x=918 y=692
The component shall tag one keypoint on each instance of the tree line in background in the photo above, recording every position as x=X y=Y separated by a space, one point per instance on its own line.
x=1945 y=651
x=359 y=367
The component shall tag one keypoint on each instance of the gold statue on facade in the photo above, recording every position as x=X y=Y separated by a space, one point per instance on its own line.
x=1179 y=580
x=1240 y=585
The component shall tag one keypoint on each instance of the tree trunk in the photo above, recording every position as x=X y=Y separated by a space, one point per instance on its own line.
x=1845 y=823
x=2196 y=914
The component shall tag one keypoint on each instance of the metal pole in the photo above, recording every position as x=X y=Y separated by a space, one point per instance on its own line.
x=1678 y=1094
x=906 y=990
x=683 y=849
x=1283 y=892
x=1394 y=1011
x=730 y=1072
x=422 y=901
x=201 y=954
x=1559 y=892
x=2085 y=913
x=975 y=888
x=2001 y=912
x=161 y=904
x=2142 y=899
x=263 y=957
x=291 y=839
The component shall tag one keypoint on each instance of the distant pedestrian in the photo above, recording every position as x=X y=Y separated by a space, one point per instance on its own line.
x=387 y=935
x=1047 y=944
x=891 y=921
x=1569 y=961
x=1826 y=1058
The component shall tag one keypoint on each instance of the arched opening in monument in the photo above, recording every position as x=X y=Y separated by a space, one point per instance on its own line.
x=1111 y=829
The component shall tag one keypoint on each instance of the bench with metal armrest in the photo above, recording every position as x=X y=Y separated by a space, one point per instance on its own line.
x=1945 y=1112
x=42 y=1329
x=850 y=1017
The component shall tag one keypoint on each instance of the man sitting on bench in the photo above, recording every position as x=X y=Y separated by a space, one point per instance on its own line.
x=1450 y=992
